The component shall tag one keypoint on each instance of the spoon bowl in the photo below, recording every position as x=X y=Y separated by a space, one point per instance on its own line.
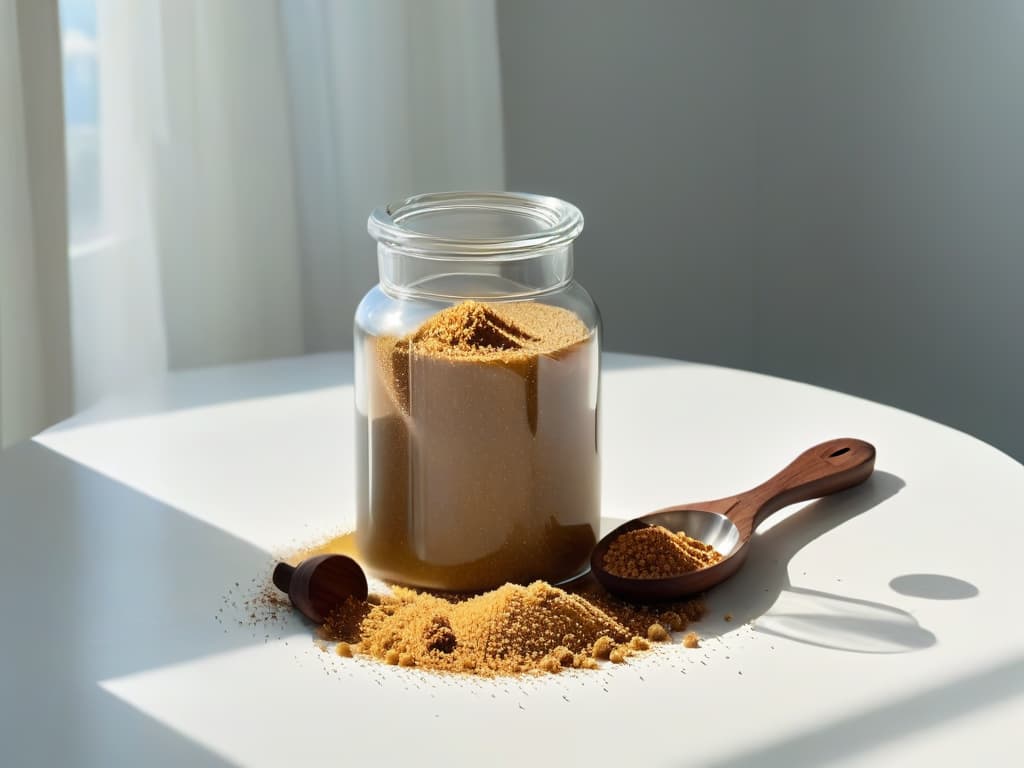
x=727 y=524
x=710 y=527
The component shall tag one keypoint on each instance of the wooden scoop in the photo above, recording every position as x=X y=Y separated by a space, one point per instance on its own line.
x=318 y=585
x=727 y=524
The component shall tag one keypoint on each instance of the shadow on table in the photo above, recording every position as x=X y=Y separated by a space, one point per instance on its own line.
x=933 y=586
x=94 y=555
x=762 y=590
x=967 y=695
x=200 y=387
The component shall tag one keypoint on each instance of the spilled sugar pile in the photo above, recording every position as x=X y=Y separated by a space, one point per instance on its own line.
x=508 y=631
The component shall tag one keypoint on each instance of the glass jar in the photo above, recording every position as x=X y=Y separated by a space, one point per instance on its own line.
x=476 y=384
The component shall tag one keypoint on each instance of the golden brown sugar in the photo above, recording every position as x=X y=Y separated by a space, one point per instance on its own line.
x=637 y=618
x=674 y=621
x=478 y=456
x=657 y=633
x=602 y=647
x=506 y=331
x=563 y=656
x=691 y=640
x=549 y=664
x=638 y=643
x=498 y=632
x=657 y=553
x=508 y=631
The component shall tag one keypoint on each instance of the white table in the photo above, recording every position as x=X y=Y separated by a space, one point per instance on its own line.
x=879 y=627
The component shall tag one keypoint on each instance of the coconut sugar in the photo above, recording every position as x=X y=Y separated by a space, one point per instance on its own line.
x=657 y=553
x=478 y=448
x=511 y=630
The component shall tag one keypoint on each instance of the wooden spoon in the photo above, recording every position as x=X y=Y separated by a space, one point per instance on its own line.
x=727 y=524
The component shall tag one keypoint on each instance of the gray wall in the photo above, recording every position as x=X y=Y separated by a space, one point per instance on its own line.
x=826 y=191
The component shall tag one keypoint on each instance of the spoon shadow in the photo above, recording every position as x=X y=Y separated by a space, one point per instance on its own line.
x=763 y=591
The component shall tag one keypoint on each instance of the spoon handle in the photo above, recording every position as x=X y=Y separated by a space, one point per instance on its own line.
x=827 y=468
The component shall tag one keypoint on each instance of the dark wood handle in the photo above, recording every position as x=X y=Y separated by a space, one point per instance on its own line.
x=825 y=469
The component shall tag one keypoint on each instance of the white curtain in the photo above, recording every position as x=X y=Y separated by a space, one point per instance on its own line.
x=242 y=144
x=35 y=364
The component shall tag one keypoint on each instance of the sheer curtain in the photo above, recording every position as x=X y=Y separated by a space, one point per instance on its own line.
x=35 y=364
x=241 y=145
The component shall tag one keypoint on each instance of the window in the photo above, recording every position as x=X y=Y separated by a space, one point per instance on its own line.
x=82 y=116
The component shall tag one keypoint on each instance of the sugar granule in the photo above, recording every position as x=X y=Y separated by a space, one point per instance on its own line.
x=657 y=553
x=509 y=631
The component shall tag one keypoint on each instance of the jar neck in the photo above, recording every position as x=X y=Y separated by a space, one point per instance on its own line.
x=412 y=275
x=479 y=245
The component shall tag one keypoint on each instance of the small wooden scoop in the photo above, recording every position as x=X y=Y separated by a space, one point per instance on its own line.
x=318 y=585
x=727 y=524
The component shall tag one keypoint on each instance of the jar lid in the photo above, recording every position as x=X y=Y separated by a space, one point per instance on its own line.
x=499 y=225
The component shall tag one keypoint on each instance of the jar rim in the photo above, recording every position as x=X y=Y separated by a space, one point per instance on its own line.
x=554 y=223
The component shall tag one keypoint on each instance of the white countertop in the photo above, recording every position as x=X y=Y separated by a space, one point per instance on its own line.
x=878 y=627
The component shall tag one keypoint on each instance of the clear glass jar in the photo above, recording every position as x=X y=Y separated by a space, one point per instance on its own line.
x=477 y=386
